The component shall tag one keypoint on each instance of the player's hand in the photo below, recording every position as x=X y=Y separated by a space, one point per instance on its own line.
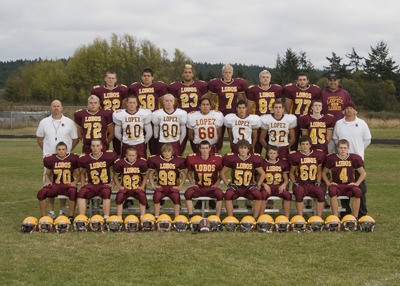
x=233 y=186
x=157 y=188
x=295 y=185
x=333 y=183
x=267 y=188
x=253 y=186
x=73 y=184
x=353 y=184
x=281 y=188
x=47 y=184
x=121 y=188
x=176 y=188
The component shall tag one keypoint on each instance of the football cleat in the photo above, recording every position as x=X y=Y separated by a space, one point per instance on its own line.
x=62 y=224
x=366 y=223
x=215 y=223
x=96 y=223
x=230 y=223
x=164 y=222
x=180 y=223
x=298 y=223
x=282 y=223
x=147 y=222
x=265 y=223
x=247 y=223
x=114 y=223
x=349 y=222
x=332 y=223
x=131 y=223
x=29 y=224
x=315 y=223
x=46 y=224
x=80 y=223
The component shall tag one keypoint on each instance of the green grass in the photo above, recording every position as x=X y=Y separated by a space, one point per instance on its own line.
x=203 y=259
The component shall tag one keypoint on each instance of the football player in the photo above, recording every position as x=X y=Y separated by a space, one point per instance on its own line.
x=170 y=177
x=243 y=164
x=203 y=175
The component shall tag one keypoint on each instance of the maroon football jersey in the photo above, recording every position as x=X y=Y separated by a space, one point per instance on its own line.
x=62 y=169
x=317 y=129
x=188 y=96
x=98 y=170
x=307 y=165
x=94 y=125
x=205 y=171
x=274 y=171
x=167 y=170
x=264 y=98
x=301 y=98
x=343 y=169
x=131 y=173
x=242 y=170
x=110 y=99
x=148 y=96
x=333 y=102
x=227 y=93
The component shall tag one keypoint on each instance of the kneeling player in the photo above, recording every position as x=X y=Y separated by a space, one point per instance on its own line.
x=243 y=165
x=205 y=169
x=342 y=167
x=276 y=180
x=169 y=170
x=306 y=164
x=64 y=168
x=132 y=171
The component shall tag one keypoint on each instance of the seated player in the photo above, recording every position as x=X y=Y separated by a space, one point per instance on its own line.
x=132 y=172
x=97 y=166
x=170 y=177
x=203 y=176
x=342 y=166
x=64 y=168
x=243 y=166
x=276 y=180
x=305 y=174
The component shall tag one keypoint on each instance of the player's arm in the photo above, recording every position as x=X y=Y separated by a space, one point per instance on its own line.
x=144 y=181
x=117 y=182
x=81 y=132
x=76 y=175
x=123 y=103
x=288 y=105
x=47 y=180
x=148 y=132
x=250 y=104
x=223 y=175
x=183 y=133
x=328 y=135
x=213 y=96
x=75 y=142
x=325 y=178
x=292 y=175
x=319 y=174
x=263 y=138
x=182 y=174
x=285 y=183
x=40 y=142
x=156 y=130
x=363 y=175
x=150 y=177
x=292 y=137
x=219 y=133
x=110 y=133
x=261 y=179
x=191 y=134
x=230 y=134
x=83 y=177
x=190 y=178
x=254 y=138
x=241 y=95
x=304 y=132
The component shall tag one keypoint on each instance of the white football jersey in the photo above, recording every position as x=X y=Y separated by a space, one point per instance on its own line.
x=205 y=126
x=242 y=128
x=278 y=130
x=169 y=123
x=132 y=125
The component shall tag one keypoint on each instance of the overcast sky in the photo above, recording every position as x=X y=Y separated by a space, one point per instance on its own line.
x=214 y=31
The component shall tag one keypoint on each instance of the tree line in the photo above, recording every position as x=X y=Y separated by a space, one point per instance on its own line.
x=373 y=81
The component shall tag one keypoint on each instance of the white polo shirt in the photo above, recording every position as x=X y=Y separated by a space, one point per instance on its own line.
x=54 y=131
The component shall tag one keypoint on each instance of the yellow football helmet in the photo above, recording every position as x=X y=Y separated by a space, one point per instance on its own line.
x=316 y=223
x=96 y=223
x=114 y=223
x=180 y=223
x=265 y=223
x=282 y=223
x=80 y=223
x=46 y=224
x=298 y=223
x=332 y=223
x=148 y=222
x=29 y=224
x=366 y=223
x=132 y=223
x=247 y=223
x=195 y=223
x=230 y=223
x=349 y=222
x=62 y=224
x=215 y=223
x=164 y=222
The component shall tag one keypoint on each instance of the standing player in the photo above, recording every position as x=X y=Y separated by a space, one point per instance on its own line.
x=170 y=178
x=203 y=175
x=132 y=126
x=130 y=179
x=280 y=130
x=261 y=98
x=96 y=166
x=242 y=126
x=94 y=123
x=112 y=97
x=169 y=125
x=63 y=166
x=188 y=93
x=149 y=94
x=243 y=166
x=226 y=91
x=305 y=174
x=205 y=125
x=342 y=166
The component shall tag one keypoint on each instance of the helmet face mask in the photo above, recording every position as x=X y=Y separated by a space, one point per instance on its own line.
x=282 y=227
x=132 y=227
x=45 y=227
x=147 y=225
x=246 y=226
x=195 y=227
x=350 y=225
x=180 y=226
x=80 y=226
x=114 y=226
x=62 y=227
x=367 y=226
x=164 y=226
x=332 y=223
x=299 y=227
x=96 y=226
x=316 y=226
x=28 y=228
x=215 y=226
x=231 y=226
x=265 y=227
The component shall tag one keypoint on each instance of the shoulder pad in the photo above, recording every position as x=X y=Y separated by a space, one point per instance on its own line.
x=292 y=152
x=201 y=81
x=109 y=151
x=116 y=160
x=96 y=86
x=76 y=154
x=48 y=155
x=315 y=85
x=251 y=86
x=217 y=155
x=123 y=85
x=119 y=110
x=144 y=159
x=161 y=81
x=230 y=153
x=192 y=111
x=135 y=82
x=78 y=110
x=257 y=154
x=151 y=156
x=82 y=155
x=278 y=85
x=190 y=155
x=289 y=84
x=328 y=114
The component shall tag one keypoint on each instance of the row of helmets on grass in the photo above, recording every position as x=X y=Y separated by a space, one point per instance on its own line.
x=196 y=224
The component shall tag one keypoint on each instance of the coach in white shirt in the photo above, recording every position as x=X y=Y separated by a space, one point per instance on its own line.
x=356 y=131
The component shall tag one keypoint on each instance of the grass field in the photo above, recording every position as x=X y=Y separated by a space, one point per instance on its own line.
x=203 y=259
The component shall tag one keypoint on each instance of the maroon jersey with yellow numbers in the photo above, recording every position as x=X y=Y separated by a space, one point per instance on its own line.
x=168 y=171
x=242 y=169
x=274 y=171
x=131 y=173
x=62 y=169
x=307 y=165
x=301 y=98
x=206 y=172
x=110 y=99
x=188 y=96
x=227 y=93
x=98 y=170
x=317 y=129
x=264 y=98
x=343 y=169
x=148 y=96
